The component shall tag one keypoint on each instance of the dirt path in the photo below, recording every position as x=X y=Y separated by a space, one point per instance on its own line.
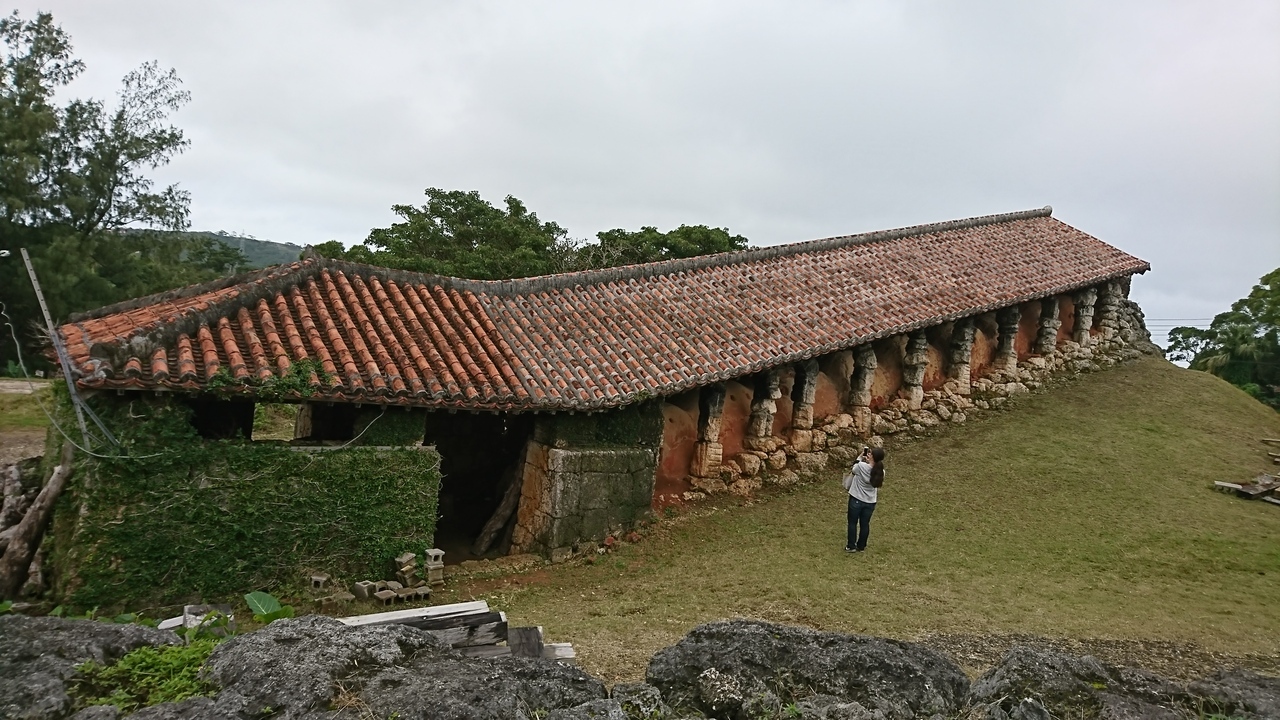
x=20 y=443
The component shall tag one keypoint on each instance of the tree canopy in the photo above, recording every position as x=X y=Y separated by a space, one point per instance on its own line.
x=73 y=178
x=458 y=233
x=1242 y=345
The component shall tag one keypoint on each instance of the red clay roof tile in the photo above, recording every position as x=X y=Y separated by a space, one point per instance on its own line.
x=585 y=340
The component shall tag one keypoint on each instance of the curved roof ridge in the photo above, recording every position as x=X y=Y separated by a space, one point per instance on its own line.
x=669 y=267
x=559 y=280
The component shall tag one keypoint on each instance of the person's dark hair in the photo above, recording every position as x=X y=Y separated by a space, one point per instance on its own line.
x=877 y=467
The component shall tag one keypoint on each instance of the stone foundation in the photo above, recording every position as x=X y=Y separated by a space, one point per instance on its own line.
x=580 y=482
x=816 y=443
x=574 y=495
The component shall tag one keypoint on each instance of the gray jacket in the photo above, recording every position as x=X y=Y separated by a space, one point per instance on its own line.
x=859 y=486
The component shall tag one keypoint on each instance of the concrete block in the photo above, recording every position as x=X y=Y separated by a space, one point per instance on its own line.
x=423 y=592
x=435 y=575
x=435 y=558
x=386 y=597
x=318 y=582
x=407 y=558
x=393 y=585
x=365 y=589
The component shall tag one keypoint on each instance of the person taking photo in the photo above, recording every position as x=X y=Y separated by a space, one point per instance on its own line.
x=863 y=484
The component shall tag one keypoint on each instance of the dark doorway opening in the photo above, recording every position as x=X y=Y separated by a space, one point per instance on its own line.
x=480 y=457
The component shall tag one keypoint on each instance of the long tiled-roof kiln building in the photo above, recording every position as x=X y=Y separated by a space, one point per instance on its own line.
x=585 y=399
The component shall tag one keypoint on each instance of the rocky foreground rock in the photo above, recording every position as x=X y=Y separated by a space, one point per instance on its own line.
x=316 y=667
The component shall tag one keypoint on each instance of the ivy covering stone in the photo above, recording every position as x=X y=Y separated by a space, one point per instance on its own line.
x=174 y=515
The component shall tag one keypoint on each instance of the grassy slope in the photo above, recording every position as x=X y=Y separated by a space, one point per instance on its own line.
x=20 y=411
x=1083 y=512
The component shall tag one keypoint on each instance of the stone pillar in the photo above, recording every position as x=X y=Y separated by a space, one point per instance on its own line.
x=708 y=453
x=802 y=395
x=1084 y=301
x=763 y=407
x=961 y=354
x=1047 y=333
x=864 y=374
x=914 y=362
x=1006 y=345
x=1110 y=297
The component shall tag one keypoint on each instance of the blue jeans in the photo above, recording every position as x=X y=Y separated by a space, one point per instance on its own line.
x=859 y=519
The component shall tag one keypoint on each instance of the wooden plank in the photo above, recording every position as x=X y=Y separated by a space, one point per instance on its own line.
x=1273 y=500
x=525 y=641
x=1251 y=492
x=486 y=651
x=1226 y=486
x=563 y=652
x=1271 y=441
x=455 y=621
x=399 y=616
x=490 y=633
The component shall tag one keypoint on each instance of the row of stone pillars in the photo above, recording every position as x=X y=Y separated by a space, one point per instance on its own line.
x=708 y=454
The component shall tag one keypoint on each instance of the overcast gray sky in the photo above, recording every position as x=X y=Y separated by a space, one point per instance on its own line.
x=1152 y=125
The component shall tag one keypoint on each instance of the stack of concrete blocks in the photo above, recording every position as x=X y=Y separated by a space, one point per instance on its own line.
x=407 y=572
x=320 y=584
x=435 y=567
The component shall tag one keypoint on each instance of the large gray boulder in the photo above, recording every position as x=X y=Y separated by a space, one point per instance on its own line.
x=315 y=666
x=1033 y=682
x=739 y=669
x=38 y=656
x=1242 y=692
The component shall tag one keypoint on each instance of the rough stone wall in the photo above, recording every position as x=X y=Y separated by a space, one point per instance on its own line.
x=576 y=495
x=582 y=480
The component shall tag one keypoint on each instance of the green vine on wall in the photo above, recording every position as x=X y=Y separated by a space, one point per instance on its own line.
x=175 y=516
x=295 y=383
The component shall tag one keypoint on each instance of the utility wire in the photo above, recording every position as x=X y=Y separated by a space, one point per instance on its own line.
x=36 y=394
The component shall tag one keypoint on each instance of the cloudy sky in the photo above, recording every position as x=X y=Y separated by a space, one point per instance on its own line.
x=1152 y=125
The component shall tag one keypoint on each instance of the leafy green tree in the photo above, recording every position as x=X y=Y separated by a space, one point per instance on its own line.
x=458 y=233
x=1241 y=346
x=623 y=247
x=73 y=177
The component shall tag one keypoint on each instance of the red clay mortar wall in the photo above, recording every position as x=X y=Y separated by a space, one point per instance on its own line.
x=782 y=418
x=1028 y=326
x=679 y=436
x=834 y=372
x=984 y=347
x=737 y=412
x=888 y=376
x=1067 y=316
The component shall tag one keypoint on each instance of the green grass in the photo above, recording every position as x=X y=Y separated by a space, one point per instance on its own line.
x=146 y=676
x=22 y=411
x=1084 y=512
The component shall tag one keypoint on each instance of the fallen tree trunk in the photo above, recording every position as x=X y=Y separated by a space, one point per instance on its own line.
x=27 y=536
x=498 y=520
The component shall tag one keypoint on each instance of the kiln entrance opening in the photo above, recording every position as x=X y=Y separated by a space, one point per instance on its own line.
x=480 y=457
